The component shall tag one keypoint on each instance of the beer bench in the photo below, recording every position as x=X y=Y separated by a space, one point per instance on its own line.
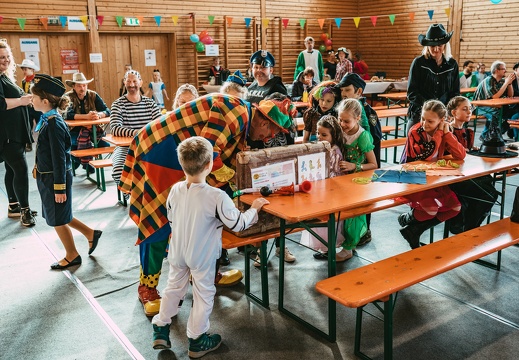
x=94 y=152
x=382 y=280
x=392 y=143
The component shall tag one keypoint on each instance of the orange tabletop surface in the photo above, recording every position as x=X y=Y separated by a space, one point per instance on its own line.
x=102 y=121
x=118 y=140
x=394 y=96
x=496 y=102
x=468 y=90
x=342 y=194
x=393 y=112
x=300 y=104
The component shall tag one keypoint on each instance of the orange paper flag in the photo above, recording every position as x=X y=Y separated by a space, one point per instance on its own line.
x=44 y=21
x=321 y=22
x=411 y=16
x=229 y=21
x=141 y=20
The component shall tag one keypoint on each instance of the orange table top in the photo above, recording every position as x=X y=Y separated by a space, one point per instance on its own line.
x=102 y=121
x=393 y=112
x=118 y=140
x=394 y=96
x=300 y=104
x=468 y=90
x=496 y=102
x=342 y=194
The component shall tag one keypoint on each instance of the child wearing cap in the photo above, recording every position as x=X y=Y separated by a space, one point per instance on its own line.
x=53 y=170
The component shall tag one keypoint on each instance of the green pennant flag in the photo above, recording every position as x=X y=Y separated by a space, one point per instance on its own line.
x=392 y=19
x=211 y=19
x=119 y=20
x=21 y=22
x=302 y=23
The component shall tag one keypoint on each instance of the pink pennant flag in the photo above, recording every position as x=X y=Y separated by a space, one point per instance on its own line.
x=44 y=21
x=229 y=21
x=175 y=19
x=100 y=19
x=1 y=19
x=285 y=23
x=374 y=20
x=356 y=20
x=321 y=23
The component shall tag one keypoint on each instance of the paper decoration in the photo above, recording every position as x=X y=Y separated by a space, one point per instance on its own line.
x=96 y=58
x=285 y=23
x=411 y=16
x=338 y=22
x=1 y=19
x=311 y=167
x=265 y=23
x=431 y=13
x=302 y=23
x=175 y=19
x=29 y=45
x=150 y=57
x=247 y=22
x=45 y=22
x=448 y=12
x=211 y=19
x=100 y=19
x=229 y=21
x=321 y=23
x=75 y=23
x=84 y=20
x=69 y=61
x=392 y=19
x=495 y=1
x=119 y=20
x=21 y=22
x=141 y=20
x=374 y=20
x=356 y=20
x=158 y=19
x=63 y=21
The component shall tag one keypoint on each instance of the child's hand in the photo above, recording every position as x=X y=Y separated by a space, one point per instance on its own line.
x=60 y=198
x=258 y=203
x=445 y=127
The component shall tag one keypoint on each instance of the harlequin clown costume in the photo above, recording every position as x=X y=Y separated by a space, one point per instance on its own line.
x=151 y=168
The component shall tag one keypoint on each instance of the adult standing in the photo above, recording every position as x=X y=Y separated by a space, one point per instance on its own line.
x=29 y=68
x=130 y=113
x=434 y=74
x=152 y=167
x=14 y=135
x=312 y=58
x=265 y=83
x=360 y=67
x=343 y=64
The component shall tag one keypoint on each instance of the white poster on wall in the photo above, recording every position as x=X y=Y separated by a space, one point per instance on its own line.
x=150 y=58
x=212 y=50
x=75 y=23
x=34 y=56
x=29 y=45
x=96 y=57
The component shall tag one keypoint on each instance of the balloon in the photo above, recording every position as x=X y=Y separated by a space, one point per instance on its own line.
x=329 y=48
x=324 y=36
x=322 y=48
x=207 y=40
x=328 y=42
x=200 y=47
x=194 y=38
x=203 y=34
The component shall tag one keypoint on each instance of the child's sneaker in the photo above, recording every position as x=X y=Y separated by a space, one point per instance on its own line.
x=204 y=344
x=161 y=337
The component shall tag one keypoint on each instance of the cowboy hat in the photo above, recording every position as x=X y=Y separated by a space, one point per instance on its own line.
x=27 y=63
x=78 y=78
x=436 y=35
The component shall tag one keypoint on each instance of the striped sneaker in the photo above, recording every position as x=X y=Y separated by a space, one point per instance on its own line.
x=203 y=345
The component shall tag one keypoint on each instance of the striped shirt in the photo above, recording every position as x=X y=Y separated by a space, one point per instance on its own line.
x=127 y=118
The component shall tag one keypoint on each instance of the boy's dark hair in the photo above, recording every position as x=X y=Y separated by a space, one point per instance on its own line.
x=515 y=66
x=467 y=63
x=194 y=154
x=331 y=123
x=308 y=71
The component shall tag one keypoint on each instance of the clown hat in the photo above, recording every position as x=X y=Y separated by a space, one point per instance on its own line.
x=279 y=112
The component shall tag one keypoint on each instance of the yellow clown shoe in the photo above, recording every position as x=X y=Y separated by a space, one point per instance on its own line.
x=229 y=278
x=151 y=308
x=150 y=299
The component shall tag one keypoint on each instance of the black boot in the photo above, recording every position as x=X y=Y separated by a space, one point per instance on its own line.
x=224 y=258
x=413 y=231
x=406 y=218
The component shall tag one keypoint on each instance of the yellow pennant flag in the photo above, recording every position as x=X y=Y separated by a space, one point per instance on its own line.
x=175 y=19
x=321 y=23
x=448 y=12
x=84 y=19
x=265 y=22
x=356 y=20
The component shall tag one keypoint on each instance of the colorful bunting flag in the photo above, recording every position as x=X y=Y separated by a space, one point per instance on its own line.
x=1 y=19
x=63 y=21
x=247 y=22
x=119 y=20
x=448 y=12
x=100 y=19
x=374 y=20
x=265 y=22
x=44 y=21
x=84 y=20
x=229 y=21
x=392 y=19
x=338 y=22
x=140 y=19
x=175 y=19
x=431 y=13
x=321 y=23
x=302 y=23
x=21 y=22
x=411 y=16
x=356 y=20
x=211 y=19
x=285 y=23
x=158 y=19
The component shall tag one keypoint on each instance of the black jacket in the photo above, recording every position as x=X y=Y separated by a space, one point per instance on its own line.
x=298 y=87
x=258 y=93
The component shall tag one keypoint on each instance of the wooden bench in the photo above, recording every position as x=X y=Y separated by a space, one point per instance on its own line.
x=392 y=143
x=96 y=153
x=381 y=281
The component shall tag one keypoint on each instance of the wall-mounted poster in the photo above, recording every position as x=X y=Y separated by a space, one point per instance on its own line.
x=28 y=44
x=150 y=58
x=69 y=61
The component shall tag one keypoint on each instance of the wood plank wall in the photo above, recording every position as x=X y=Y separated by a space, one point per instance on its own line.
x=488 y=33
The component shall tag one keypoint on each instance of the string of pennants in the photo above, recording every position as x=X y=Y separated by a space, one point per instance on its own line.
x=265 y=22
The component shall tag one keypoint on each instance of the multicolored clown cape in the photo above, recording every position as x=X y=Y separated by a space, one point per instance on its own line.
x=151 y=167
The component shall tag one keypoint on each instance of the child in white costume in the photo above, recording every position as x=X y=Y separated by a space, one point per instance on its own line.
x=196 y=212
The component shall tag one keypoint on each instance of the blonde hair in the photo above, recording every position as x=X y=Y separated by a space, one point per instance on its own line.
x=229 y=85
x=11 y=69
x=194 y=154
x=446 y=51
x=436 y=107
x=350 y=105
x=183 y=89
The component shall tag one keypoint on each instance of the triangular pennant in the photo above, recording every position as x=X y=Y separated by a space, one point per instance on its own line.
x=158 y=19
x=265 y=22
x=211 y=19
x=321 y=23
x=411 y=16
x=356 y=20
x=392 y=19
x=140 y=19
x=84 y=20
x=21 y=22
x=285 y=23
x=431 y=14
x=374 y=20
x=302 y=23
x=338 y=22
x=448 y=12
x=119 y=20
x=44 y=21
x=175 y=19
x=247 y=22
x=100 y=19
x=229 y=21
x=63 y=21
x=1 y=19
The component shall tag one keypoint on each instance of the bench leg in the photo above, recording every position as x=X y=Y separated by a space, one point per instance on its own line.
x=264 y=301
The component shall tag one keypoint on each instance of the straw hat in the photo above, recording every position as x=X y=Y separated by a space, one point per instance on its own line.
x=78 y=78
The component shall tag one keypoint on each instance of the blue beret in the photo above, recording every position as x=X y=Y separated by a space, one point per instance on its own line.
x=49 y=84
x=352 y=79
x=237 y=78
x=263 y=57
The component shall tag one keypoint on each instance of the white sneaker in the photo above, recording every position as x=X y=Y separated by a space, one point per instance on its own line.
x=257 y=259
x=289 y=257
